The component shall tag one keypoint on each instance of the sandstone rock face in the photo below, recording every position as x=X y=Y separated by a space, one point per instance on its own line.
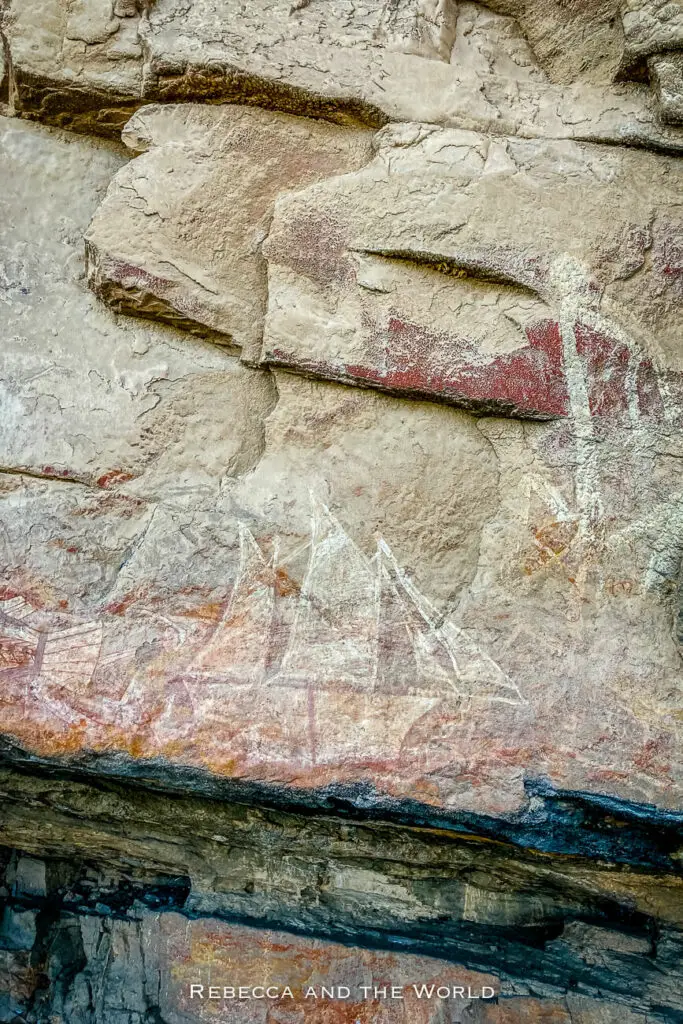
x=125 y=898
x=341 y=586
x=653 y=39
x=666 y=72
x=344 y=60
x=465 y=301
x=651 y=27
x=88 y=65
x=76 y=62
x=179 y=234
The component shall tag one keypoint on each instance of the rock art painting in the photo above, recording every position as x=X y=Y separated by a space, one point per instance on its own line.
x=353 y=625
x=341 y=514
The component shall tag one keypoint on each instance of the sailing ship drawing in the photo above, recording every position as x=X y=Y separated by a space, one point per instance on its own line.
x=358 y=621
x=66 y=657
x=355 y=621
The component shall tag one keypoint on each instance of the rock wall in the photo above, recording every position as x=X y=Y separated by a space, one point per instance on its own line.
x=341 y=532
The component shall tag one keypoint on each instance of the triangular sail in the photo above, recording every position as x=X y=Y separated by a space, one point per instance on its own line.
x=18 y=641
x=238 y=648
x=334 y=635
x=445 y=657
x=15 y=608
x=433 y=666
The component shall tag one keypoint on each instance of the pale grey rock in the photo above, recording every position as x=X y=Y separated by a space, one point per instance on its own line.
x=88 y=66
x=426 y=28
x=27 y=876
x=112 y=394
x=666 y=75
x=178 y=236
x=490 y=43
x=650 y=26
x=417 y=474
x=331 y=60
x=17 y=929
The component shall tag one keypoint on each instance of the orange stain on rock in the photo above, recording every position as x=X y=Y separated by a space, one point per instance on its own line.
x=113 y=477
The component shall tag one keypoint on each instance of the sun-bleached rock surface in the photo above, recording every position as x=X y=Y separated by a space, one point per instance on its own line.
x=88 y=65
x=195 y=539
x=341 y=584
x=179 y=234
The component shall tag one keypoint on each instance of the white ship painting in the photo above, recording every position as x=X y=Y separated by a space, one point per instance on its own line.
x=358 y=621
x=355 y=621
x=62 y=657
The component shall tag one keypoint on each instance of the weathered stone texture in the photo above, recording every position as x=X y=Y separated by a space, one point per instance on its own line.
x=76 y=63
x=87 y=66
x=178 y=237
x=651 y=26
x=318 y=58
x=99 y=971
x=372 y=574
x=445 y=267
x=381 y=519
x=113 y=883
x=666 y=72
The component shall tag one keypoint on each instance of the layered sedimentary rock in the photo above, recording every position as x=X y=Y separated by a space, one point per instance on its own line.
x=86 y=66
x=75 y=63
x=344 y=601
x=128 y=898
x=161 y=244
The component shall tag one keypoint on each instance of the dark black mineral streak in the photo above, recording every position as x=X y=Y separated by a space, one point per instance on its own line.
x=91 y=862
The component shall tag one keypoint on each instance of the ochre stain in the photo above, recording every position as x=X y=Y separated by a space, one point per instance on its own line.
x=113 y=477
x=404 y=357
x=285 y=586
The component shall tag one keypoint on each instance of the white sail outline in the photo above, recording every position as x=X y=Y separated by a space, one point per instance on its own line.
x=70 y=656
x=250 y=555
x=449 y=636
x=325 y=527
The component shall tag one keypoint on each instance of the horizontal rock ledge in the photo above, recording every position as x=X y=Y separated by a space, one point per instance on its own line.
x=484 y=905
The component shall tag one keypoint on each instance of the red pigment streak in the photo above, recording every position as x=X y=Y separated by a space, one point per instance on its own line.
x=607 y=371
x=53 y=471
x=650 y=403
x=122 y=606
x=529 y=381
x=114 y=476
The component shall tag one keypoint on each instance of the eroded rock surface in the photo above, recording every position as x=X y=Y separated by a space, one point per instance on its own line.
x=77 y=63
x=346 y=599
x=88 y=65
x=451 y=265
x=179 y=234
x=125 y=898
x=370 y=572
x=651 y=27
